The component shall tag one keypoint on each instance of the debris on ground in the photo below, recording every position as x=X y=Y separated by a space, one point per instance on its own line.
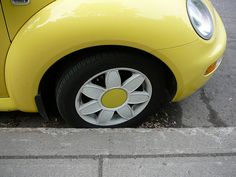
x=167 y=117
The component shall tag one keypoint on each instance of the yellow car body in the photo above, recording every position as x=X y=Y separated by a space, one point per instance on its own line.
x=37 y=35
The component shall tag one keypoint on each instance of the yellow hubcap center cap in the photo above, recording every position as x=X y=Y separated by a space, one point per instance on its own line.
x=114 y=98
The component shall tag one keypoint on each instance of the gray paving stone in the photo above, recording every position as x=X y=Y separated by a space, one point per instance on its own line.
x=213 y=106
x=48 y=168
x=171 y=167
x=66 y=142
x=199 y=152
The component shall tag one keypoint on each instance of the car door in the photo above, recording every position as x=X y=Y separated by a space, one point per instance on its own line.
x=18 y=12
x=4 y=45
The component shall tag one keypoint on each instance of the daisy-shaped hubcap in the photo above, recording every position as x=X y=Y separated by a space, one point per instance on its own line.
x=113 y=97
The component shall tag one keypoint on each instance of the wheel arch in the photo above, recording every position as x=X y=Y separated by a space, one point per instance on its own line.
x=52 y=75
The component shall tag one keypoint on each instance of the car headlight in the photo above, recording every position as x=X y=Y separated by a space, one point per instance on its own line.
x=200 y=18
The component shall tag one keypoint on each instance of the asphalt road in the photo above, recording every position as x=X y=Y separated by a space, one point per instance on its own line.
x=211 y=106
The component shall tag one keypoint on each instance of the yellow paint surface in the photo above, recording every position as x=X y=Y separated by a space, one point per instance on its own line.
x=159 y=27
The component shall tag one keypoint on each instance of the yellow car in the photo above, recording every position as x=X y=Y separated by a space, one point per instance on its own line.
x=105 y=63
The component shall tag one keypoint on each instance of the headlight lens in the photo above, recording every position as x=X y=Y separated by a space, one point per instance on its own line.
x=200 y=18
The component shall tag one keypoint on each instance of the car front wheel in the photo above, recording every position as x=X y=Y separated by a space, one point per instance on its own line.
x=110 y=89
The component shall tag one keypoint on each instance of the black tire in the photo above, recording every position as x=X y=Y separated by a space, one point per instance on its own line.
x=89 y=65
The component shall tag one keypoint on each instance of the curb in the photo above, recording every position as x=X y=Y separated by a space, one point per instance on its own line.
x=208 y=152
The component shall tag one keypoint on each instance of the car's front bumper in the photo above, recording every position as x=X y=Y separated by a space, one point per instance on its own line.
x=190 y=62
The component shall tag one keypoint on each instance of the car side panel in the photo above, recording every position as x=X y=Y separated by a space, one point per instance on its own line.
x=66 y=26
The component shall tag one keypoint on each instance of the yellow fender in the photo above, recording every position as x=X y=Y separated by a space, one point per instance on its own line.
x=66 y=26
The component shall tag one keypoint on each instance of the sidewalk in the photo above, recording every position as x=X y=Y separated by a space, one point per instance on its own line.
x=209 y=152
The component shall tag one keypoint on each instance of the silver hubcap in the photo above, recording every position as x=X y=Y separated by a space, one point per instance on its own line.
x=113 y=97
